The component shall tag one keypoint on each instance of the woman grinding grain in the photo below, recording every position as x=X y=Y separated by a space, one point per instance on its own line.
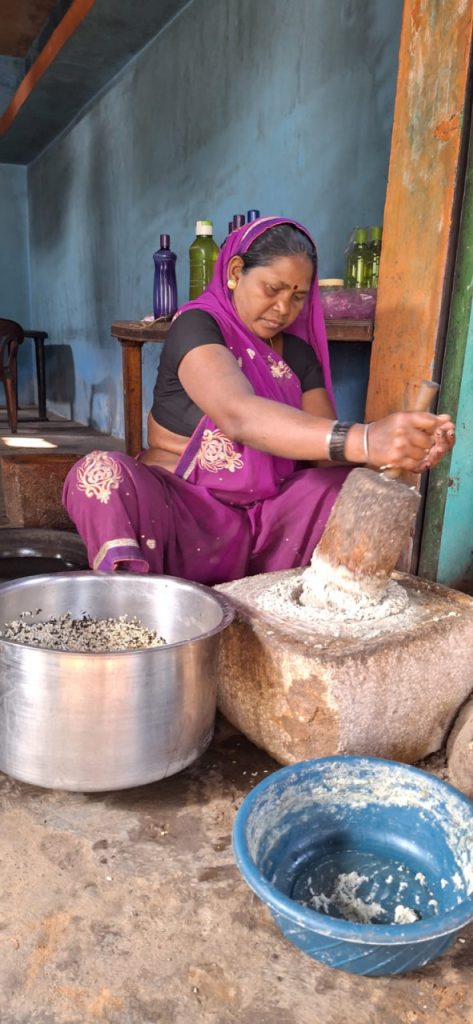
x=246 y=456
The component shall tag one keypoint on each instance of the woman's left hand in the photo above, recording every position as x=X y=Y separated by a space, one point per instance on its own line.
x=444 y=440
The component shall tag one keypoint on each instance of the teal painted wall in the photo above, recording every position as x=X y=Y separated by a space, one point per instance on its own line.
x=15 y=300
x=455 y=566
x=285 y=105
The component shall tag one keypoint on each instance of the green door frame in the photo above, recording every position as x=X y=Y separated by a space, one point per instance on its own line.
x=446 y=552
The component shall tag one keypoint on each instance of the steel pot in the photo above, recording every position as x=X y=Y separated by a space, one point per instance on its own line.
x=103 y=721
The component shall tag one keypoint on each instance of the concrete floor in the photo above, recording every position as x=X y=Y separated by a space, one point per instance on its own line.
x=127 y=908
x=64 y=435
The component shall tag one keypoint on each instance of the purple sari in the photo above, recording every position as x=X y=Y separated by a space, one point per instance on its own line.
x=228 y=510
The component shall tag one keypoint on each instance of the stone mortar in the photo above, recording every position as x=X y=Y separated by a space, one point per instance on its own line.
x=382 y=686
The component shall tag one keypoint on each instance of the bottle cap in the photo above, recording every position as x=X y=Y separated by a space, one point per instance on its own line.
x=376 y=234
x=164 y=241
x=203 y=227
x=252 y=215
x=360 y=235
x=238 y=220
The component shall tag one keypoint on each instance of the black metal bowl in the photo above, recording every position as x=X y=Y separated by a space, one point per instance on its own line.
x=33 y=552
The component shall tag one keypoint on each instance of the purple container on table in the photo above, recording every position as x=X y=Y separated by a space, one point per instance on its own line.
x=165 y=287
x=341 y=303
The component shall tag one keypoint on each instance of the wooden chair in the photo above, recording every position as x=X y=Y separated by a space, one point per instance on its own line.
x=11 y=337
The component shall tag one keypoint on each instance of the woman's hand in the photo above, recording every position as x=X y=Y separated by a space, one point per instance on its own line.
x=410 y=440
x=444 y=440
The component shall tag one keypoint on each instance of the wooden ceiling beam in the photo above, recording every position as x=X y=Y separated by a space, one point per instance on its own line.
x=66 y=28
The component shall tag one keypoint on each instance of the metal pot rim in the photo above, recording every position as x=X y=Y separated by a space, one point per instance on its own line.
x=228 y=613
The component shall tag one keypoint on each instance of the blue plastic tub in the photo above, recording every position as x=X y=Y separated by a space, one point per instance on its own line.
x=346 y=850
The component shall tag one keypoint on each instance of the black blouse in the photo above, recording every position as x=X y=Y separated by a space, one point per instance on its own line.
x=172 y=408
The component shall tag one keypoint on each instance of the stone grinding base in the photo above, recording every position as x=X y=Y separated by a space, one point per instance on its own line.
x=301 y=693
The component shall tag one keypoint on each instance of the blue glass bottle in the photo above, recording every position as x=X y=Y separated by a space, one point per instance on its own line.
x=230 y=229
x=165 y=287
x=252 y=215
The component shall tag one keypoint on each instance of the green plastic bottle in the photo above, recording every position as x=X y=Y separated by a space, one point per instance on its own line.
x=358 y=260
x=203 y=255
x=376 y=234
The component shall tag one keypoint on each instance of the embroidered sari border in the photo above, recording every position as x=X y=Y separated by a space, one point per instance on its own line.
x=118 y=542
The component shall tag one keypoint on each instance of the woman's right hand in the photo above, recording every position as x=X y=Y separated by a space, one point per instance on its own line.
x=404 y=440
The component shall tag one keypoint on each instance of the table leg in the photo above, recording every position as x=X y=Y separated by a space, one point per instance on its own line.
x=132 y=396
x=41 y=377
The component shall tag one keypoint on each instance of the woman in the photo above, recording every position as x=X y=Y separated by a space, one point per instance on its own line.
x=240 y=474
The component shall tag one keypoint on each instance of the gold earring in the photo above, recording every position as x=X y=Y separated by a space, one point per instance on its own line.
x=231 y=284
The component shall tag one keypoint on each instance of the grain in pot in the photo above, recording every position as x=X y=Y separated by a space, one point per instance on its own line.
x=64 y=633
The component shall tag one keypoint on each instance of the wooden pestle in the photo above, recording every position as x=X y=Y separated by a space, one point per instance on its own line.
x=372 y=517
x=422 y=402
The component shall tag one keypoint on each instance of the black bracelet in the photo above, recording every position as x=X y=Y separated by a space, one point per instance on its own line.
x=336 y=446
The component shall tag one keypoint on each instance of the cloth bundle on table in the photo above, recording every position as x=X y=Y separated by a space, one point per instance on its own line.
x=228 y=510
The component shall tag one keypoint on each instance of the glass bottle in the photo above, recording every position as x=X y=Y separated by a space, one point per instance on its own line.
x=230 y=229
x=376 y=234
x=358 y=258
x=238 y=220
x=252 y=215
x=203 y=255
x=165 y=287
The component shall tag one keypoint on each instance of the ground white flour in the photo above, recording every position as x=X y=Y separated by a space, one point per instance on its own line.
x=404 y=915
x=337 y=589
x=284 y=600
x=344 y=898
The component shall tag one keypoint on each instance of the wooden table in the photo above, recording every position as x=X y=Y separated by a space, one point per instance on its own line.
x=133 y=334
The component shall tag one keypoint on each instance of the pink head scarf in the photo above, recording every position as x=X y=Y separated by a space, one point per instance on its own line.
x=217 y=298
x=238 y=473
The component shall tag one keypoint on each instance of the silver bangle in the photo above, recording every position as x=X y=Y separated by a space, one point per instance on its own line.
x=365 y=442
x=327 y=441
x=337 y=441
